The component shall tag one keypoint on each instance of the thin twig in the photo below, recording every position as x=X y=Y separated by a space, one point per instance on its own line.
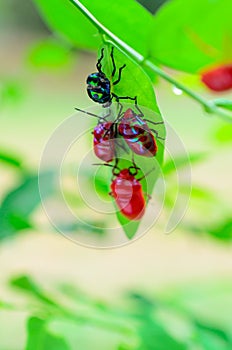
x=209 y=106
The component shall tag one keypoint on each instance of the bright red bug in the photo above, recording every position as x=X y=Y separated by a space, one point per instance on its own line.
x=128 y=194
x=137 y=134
x=103 y=141
x=218 y=78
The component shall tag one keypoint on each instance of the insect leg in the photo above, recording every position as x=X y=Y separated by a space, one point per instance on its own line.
x=157 y=135
x=137 y=107
x=154 y=123
x=115 y=167
x=119 y=75
x=150 y=171
x=99 y=64
x=113 y=62
x=120 y=113
x=135 y=167
x=121 y=146
x=109 y=130
x=124 y=97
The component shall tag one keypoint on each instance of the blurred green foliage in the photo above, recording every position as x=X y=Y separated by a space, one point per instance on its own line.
x=9 y=159
x=12 y=92
x=40 y=335
x=49 y=53
x=70 y=24
x=191 y=36
x=223 y=134
x=202 y=42
x=144 y=323
x=19 y=204
x=187 y=36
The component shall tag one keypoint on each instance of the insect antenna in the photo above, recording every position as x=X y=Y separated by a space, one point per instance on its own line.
x=157 y=135
x=113 y=62
x=150 y=171
x=95 y=115
x=154 y=123
x=115 y=166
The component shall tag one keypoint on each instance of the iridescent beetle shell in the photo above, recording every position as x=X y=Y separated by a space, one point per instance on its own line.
x=98 y=88
x=128 y=195
x=137 y=134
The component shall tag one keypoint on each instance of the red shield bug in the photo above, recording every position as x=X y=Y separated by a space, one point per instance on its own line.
x=103 y=141
x=137 y=134
x=219 y=78
x=127 y=191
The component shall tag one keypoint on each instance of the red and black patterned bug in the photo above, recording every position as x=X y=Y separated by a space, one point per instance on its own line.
x=137 y=134
x=104 y=141
x=219 y=78
x=104 y=135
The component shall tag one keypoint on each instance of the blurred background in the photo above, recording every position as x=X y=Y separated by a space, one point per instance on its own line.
x=162 y=291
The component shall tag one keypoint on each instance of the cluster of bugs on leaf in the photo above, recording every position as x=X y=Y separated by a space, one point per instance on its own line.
x=129 y=125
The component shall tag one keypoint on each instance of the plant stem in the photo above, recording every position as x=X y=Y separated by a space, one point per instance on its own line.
x=209 y=106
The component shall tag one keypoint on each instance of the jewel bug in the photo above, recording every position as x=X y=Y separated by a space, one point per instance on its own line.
x=99 y=86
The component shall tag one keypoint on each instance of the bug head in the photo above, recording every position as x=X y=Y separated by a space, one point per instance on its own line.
x=129 y=114
x=95 y=79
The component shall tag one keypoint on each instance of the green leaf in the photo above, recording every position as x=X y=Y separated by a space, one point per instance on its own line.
x=212 y=338
x=28 y=285
x=39 y=337
x=190 y=35
x=78 y=226
x=19 y=204
x=219 y=230
x=131 y=23
x=64 y=19
x=222 y=231
x=172 y=165
x=214 y=330
x=11 y=92
x=7 y=306
x=10 y=159
x=224 y=134
x=152 y=332
x=201 y=193
x=135 y=82
x=155 y=337
x=49 y=53
x=102 y=187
